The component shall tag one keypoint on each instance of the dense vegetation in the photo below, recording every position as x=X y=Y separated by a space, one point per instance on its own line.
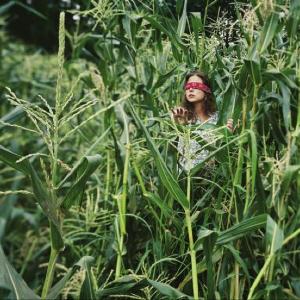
x=92 y=204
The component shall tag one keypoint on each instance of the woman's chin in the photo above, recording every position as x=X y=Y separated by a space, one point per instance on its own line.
x=193 y=100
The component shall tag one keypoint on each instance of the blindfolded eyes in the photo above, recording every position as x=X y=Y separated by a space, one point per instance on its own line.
x=197 y=85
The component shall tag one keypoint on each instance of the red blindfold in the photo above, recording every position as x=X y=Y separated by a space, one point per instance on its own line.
x=197 y=85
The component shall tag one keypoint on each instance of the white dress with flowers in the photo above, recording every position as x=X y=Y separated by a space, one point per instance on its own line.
x=190 y=151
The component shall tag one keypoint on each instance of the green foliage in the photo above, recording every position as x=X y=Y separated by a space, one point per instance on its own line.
x=12 y=281
x=99 y=157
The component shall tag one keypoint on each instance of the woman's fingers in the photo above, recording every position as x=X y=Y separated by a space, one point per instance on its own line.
x=230 y=124
x=179 y=112
x=174 y=111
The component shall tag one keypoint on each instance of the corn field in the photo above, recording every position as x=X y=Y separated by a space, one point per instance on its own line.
x=92 y=205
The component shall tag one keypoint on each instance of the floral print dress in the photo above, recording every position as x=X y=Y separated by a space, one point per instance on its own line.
x=190 y=151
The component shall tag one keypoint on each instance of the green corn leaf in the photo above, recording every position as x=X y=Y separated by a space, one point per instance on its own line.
x=56 y=236
x=87 y=290
x=197 y=27
x=40 y=192
x=5 y=7
x=10 y=158
x=238 y=258
x=208 y=246
x=167 y=290
x=252 y=63
x=162 y=79
x=82 y=173
x=179 y=5
x=285 y=76
x=182 y=21
x=166 y=28
x=235 y=232
x=268 y=32
x=31 y=10
x=292 y=25
x=10 y=279
x=243 y=76
x=198 y=167
x=126 y=25
x=166 y=176
x=165 y=209
x=241 y=229
x=122 y=286
x=254 y=159
x=129 y=284
x=85 y=263
x=285 y=104
x=274 y=236
x=291 y=173
x=60 y=285
x=202 y=267
x=202 y=234
x=3 y=222
x=277 y=130
x=12 y=116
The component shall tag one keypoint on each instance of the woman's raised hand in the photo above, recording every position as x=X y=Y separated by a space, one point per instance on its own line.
x=230 y=125
x=180 y=115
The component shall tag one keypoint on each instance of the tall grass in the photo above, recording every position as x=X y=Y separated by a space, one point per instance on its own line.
x=227 y=234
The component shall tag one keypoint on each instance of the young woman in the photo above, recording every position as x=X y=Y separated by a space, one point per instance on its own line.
x=198 y=107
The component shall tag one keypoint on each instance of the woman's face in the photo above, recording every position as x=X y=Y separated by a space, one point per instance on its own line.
x=194 y=95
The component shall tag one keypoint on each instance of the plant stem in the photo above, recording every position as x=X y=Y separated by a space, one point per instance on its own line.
x=122 y=212
x=192 y=253
x=237 y=283
x=50 y=272
x=191 y=242
x=268 y=261
x=119 y=258
x=108 y=177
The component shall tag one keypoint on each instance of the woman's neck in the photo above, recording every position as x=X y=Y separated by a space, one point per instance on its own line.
x=200 y=111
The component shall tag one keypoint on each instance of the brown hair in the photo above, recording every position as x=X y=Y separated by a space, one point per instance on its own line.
x=209 y=99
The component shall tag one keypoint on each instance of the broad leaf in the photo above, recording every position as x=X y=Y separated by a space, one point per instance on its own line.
x=241 y=229
x=166 y=176
x=10 y=158
x=167 y=290
x=87 y=290
x=82 y=173
x=268 y=32
x=182 y=21
x=208 y=246
x=40 y=192
x=274 y=236
x=10 y=279
x=130 y=284
x=85 y=263
x=238 y=258
x=254 y=68
x=122 y=286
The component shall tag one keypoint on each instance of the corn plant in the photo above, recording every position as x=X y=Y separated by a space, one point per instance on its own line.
x=231 y=233
x=48 y=122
